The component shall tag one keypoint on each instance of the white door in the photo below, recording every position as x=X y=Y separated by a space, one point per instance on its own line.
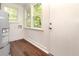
x=64 y=35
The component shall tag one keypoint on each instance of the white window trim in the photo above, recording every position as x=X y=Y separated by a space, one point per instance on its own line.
x=32 y=16
x=39 y=29
x=32 y=23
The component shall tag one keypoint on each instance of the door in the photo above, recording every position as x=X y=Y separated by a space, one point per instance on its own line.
x=64 y=29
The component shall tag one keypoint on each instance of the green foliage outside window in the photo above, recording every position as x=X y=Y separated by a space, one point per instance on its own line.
x=37 y=11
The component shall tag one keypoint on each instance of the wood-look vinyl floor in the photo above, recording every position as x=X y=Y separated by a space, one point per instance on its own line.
x=24 y=48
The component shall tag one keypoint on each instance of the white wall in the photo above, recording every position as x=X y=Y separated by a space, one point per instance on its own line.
x=65 y=33
x=65 y=19
x=15 y=32
x=40 y=37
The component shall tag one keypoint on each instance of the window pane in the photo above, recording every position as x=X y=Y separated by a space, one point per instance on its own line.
x=37 y=21
x=28 y=17
x=12 y=13
x=37 y=11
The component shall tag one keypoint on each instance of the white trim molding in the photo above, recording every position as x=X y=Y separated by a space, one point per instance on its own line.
x=38 y=45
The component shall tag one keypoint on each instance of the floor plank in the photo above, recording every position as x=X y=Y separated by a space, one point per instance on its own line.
x=24 y=48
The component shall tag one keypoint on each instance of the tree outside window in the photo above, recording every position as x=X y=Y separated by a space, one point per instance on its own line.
x=37 y=12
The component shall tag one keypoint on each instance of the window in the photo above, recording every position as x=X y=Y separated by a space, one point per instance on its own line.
x=12 y=13
x=28 y=17
x=33 y=15
x=37 y=8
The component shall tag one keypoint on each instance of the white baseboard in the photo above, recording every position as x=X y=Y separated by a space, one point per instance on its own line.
x=37 y=45
x=14 y=40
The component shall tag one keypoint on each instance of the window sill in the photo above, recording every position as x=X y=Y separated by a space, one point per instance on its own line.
x=38 y=29
x=13 y=22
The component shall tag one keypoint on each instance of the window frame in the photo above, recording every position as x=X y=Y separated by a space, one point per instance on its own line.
x=32 y=20
x=37 y=15
x=11 y=6
x=25 y=18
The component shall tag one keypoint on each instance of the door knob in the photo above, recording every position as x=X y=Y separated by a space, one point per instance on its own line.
x=50 y=28
x=50 y=23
